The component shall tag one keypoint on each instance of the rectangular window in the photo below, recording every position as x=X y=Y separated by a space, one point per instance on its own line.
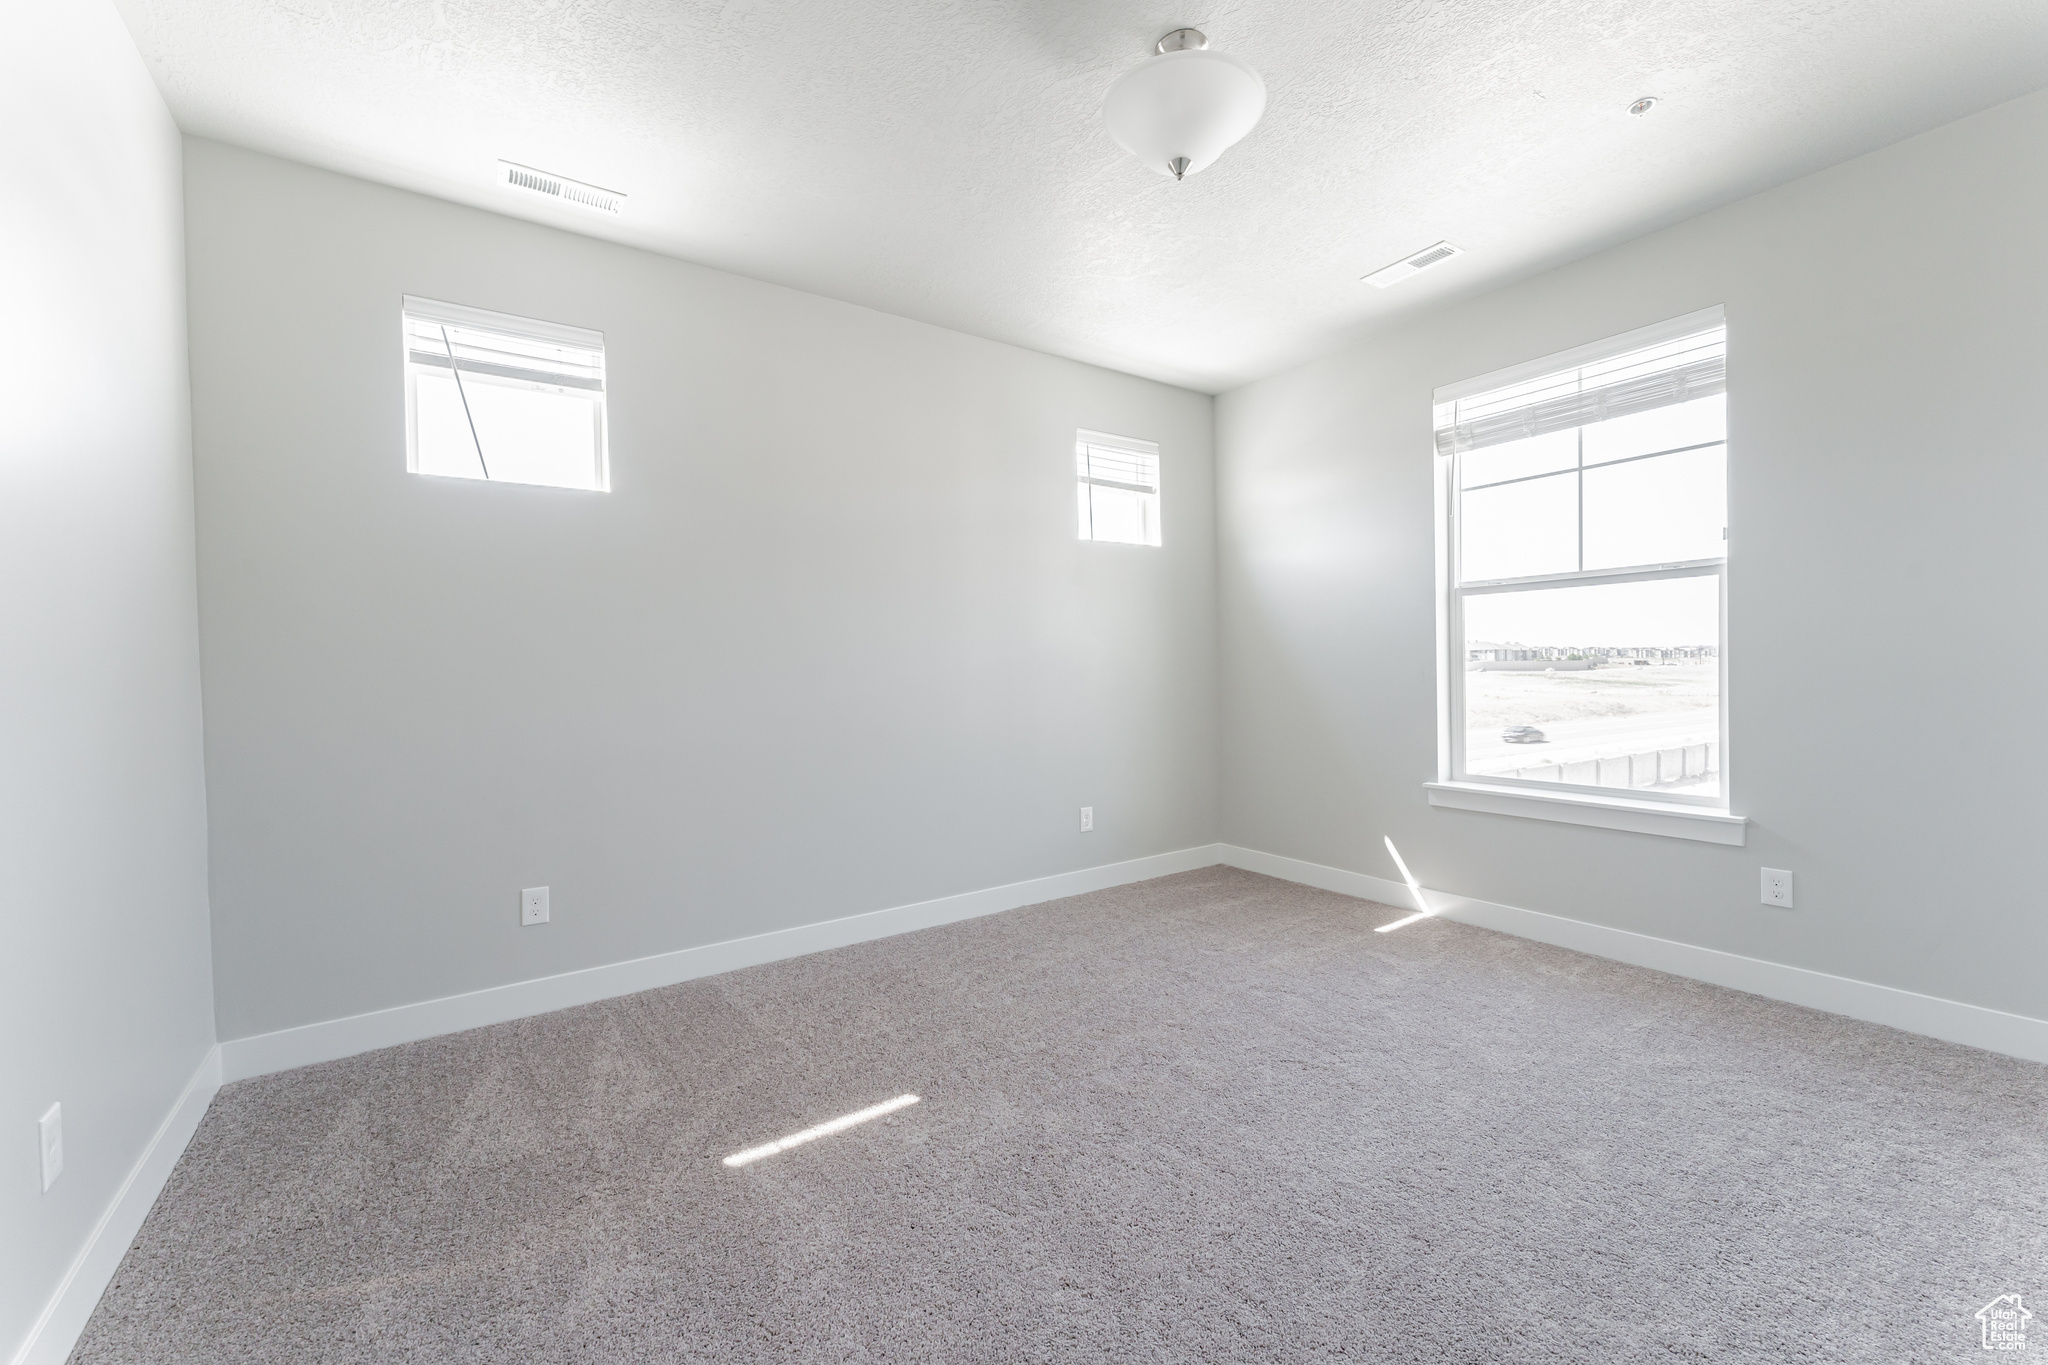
x=509 y=399
x=1585 y=548
x=1118 y=485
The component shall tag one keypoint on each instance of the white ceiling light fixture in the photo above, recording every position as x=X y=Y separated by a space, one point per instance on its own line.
x=1643 y=105
x=1179 y=110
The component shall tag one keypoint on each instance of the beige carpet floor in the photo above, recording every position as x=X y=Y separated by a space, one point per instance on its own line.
x=1205 y=1118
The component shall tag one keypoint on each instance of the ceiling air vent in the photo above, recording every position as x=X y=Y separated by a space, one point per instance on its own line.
x=1414 y=265
x=560 y=187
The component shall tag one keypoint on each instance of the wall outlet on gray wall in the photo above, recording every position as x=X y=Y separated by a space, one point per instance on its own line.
x=533 y=905
x=1777 y=887
x=1087 y=818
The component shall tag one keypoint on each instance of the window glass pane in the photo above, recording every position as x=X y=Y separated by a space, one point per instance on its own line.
x=1517 y=529
x=1596 y=685
x=1518 y=459
x=1661 y=510
x=1121 y=515
x=443 y=443
x=535 y=435
x=1666 y=428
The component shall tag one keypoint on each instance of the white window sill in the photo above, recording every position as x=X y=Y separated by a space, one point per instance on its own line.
x=1605 y=812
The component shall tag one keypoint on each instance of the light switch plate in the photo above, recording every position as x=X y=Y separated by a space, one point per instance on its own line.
x=533 y=905
x=1087 y=818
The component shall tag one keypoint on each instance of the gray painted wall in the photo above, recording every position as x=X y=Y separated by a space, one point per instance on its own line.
x=830 y=644
x=105 y=994
x=1888 y=483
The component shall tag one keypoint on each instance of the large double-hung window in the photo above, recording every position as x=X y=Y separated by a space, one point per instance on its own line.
x=1585 y=547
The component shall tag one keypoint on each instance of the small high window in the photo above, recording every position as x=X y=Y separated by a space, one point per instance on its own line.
x=1118 y=486
x=509 y=399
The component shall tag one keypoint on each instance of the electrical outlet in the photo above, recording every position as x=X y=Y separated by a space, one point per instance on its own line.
x=533 y=905
x=1777 y=887
x=53 y=1145
x=1087 y=818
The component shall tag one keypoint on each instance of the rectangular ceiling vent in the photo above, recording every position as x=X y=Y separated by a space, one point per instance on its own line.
x=1413 y=265
x=560 y=187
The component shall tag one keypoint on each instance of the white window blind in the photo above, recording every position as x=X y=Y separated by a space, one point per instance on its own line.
x=504 y=398
x=1118 y=488
x=1640 y=380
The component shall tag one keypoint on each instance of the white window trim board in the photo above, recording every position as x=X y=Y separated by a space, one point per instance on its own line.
x=1109 y=441
x=462 y=315
x=1702 y=823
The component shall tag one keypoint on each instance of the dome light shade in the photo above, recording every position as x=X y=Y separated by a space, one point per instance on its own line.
x=1180 y=110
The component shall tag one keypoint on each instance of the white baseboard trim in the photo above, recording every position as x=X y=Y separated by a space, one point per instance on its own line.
x=2015 y=1035
x=49 y=1342
x=323 y=1042
x=56 y=1331
x=1360 y=884
x=1952 y=1020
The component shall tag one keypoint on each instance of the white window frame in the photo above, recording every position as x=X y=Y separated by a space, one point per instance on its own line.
x=1674 y=814
x=1129 y=445
x=534 y=329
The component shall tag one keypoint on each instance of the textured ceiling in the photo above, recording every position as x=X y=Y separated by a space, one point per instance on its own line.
x=945 y=159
